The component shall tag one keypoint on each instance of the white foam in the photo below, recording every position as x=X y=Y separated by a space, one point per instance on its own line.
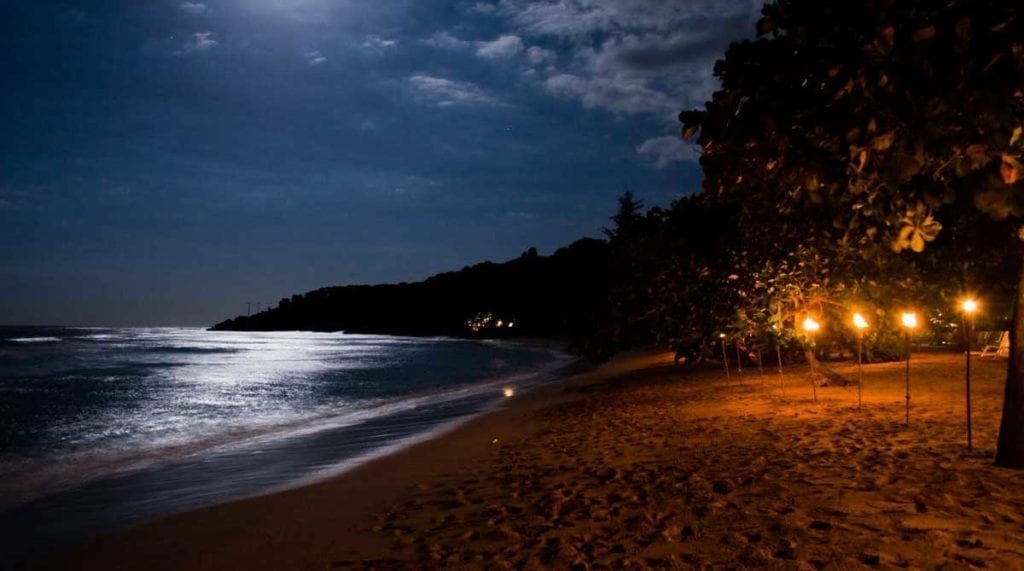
x=34 y=339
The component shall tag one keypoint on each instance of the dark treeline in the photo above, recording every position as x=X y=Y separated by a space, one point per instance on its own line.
x=709 y=266
x=531 y=296
x=680 y=276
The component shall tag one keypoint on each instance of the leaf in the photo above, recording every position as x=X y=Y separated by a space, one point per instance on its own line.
x=910 y=164
x=1010 y=169
x=904 y=235
x=887 y=37
x=692 y=121
x=924 y=34
x=994 y=203
x=862 y=160
x=918 y=228
x=883 y=142
x=846 y=88
x=995 y=59
x=1016 y=135
x=977 y=157
x=975 y=151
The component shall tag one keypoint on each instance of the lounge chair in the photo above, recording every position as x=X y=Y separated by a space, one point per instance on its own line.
x=999 y=348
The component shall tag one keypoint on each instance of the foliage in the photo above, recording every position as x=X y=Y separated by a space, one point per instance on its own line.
x=865 y=123
x=544 y=296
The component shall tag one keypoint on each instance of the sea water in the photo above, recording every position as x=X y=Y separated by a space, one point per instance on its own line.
x=104 y=427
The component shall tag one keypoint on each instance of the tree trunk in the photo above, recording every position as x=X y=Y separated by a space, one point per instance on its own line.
x=1010 y=451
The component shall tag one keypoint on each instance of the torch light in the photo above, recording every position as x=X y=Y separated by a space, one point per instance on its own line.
x=861 y=325
x=909 y=320
x=969 y=307
x=811 y=326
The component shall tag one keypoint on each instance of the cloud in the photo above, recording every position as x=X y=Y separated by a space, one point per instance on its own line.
x=623 y=95
x=378 y=44
x=501 y=48
x=195 y=8
x=315 y=58
x=628 y=57
x=444 y=39
x=446 y=92
x=538 y=55
x=198 y=42
x=574 y=19
x=485 y=8
x=666 y=150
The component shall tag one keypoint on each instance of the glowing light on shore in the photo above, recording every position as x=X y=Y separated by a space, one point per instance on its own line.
x=811 y=325
x=969 y=306
x=859 y=322
x=909 y=319
x=509 y=392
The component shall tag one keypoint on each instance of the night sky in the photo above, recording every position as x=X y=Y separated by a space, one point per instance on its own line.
x=163 y=162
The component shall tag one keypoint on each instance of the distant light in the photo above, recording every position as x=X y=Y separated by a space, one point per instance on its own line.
x=721 y=335
x=500 y=322
x=509 y=392
x=969 y=305
x=859 y=322
x=810 y=325
x=909 y=319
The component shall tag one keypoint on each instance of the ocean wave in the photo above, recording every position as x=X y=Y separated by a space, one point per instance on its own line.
x=34 y=339
x=192 y=350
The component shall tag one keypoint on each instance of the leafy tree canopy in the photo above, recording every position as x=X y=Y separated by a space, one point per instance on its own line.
x=862 y=124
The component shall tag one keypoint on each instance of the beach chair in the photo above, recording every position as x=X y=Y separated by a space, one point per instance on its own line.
x=999 y=348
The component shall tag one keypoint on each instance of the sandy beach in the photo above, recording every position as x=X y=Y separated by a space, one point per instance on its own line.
x=642 y=463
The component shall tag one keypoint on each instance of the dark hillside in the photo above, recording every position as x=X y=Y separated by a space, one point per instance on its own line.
x=531 y=296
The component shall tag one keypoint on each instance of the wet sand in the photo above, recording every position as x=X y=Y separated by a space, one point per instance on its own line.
x=643 y=464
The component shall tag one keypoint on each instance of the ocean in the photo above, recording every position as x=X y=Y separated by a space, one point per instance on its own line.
x=106 y=427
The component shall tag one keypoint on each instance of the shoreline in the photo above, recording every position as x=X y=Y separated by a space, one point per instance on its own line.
x=639 y=464
x=363 y=488
x=61 y=508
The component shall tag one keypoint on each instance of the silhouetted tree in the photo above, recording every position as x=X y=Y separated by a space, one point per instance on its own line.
x=627 y=219
x=867 y=120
